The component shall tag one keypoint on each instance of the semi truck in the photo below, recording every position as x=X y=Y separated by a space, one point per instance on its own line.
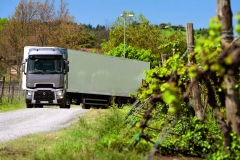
x=61 y=76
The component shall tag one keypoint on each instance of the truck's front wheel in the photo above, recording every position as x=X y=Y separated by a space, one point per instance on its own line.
x=63 y=105
x=66 y=103
x=29 y=105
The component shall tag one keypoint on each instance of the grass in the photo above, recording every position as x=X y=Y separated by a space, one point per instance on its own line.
x=95 y=136
x=7 y=105
x=98 y=135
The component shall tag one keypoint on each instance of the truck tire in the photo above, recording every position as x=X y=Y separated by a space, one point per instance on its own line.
x=29 y=105
x=85 y=106
x=67 y=106
x=66 y=103
x=63 y=105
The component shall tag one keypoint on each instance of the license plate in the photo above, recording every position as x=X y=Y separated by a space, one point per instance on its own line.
x=43 y=101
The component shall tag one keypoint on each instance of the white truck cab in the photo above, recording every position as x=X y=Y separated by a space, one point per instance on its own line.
x=44 y=76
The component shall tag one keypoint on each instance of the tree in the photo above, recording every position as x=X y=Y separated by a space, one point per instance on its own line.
x=3 y=21
x=136 y=29
x=133 y=53
x=158 y=40
x=35 y=23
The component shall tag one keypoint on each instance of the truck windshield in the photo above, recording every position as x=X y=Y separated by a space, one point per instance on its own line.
x=52 y=64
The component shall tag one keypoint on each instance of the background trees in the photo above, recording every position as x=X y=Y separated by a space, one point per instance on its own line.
x=156 y=42
x=40 y=23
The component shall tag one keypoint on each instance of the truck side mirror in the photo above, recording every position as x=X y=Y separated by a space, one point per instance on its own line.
x=66 y=66
x=23 y=66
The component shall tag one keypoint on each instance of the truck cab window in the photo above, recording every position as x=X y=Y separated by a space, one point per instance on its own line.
x=53 y=64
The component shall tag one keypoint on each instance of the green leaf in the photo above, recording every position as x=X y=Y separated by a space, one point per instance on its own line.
x=168 y=97
x=228 y=59
x=215 y=67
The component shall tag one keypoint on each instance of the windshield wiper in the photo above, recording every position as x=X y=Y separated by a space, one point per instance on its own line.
x=37 y=72
x=54 y=72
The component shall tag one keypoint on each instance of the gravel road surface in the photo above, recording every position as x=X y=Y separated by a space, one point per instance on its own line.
x=19 y=123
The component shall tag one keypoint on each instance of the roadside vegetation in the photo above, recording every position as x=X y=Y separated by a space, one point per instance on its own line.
x=95 y=136
x=99 y=134
x=8 y=105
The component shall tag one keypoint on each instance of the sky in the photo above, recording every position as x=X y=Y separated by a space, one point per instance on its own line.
x=105 y=12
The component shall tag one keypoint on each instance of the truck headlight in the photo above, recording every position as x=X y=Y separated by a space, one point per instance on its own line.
x=59 y=93
x=29 y=93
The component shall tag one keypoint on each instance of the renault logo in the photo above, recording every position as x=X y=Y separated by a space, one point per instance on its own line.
x=44 y=93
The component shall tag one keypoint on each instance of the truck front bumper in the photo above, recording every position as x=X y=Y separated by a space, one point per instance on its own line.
x=44 y=96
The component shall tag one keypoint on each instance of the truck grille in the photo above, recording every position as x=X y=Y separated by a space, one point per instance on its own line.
x=44 y=95
x=44 y=85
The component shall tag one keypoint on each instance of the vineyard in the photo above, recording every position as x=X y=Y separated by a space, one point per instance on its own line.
x=189 y=104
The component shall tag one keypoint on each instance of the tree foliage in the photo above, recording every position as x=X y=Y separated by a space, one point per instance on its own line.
x=158 y=41
x=133 y=53
x=135 y=33
x=42 y=23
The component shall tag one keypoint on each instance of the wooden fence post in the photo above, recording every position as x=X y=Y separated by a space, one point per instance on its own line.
x=9 y=85
x=174 y=51
x=164 y=58
x=195 y=89
x=3 y=81
x=224 y=14
x=19 y=89
x=12 y=92
x=159 y=64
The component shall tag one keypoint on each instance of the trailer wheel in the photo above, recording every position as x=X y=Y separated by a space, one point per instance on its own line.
x=29 y=105
x=85 y=106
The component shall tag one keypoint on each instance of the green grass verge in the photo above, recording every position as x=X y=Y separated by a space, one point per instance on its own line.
x=95 y=136
x=6 y=104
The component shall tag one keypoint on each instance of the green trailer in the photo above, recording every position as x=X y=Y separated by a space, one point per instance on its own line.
x=94 y=79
